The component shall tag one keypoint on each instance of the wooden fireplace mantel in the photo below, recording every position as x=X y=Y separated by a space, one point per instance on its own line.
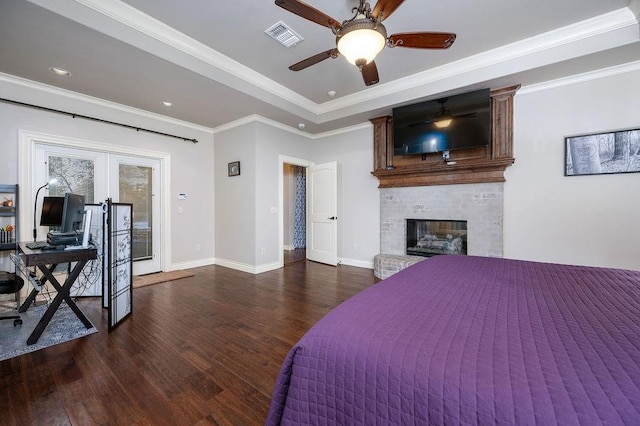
x=474 y=165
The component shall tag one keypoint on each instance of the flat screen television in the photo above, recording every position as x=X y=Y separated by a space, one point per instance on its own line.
x=456 y=122
x=52 y=211
x=73 y=213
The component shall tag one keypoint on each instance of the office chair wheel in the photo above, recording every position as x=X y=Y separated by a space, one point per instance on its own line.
x=17 y=322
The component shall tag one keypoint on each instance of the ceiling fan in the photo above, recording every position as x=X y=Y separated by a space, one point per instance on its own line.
x=363 y=36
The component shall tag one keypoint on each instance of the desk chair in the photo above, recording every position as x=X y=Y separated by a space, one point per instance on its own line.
x=11 y=284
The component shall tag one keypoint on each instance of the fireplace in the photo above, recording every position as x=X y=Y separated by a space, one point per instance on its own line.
x=426 y=237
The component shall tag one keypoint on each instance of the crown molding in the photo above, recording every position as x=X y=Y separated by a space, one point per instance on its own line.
x=256 y=118
x=218 y=66
x=78 y=97
x=581 y=78
x=562 y=38
x=570 y=41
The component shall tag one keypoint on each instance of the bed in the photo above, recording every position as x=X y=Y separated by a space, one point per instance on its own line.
x=471 y=340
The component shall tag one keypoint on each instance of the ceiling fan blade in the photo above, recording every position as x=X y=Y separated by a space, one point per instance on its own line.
x=331 y=53
x=370 y=74
x=305 y=11
x=385 y=8
x=423 y=40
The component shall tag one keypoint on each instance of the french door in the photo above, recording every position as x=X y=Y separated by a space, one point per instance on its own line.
x=100 y=175
x=135 y=181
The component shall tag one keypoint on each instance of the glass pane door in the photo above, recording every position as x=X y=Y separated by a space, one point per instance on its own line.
x=136 y=181
x=77 y=172
x=101 y=175
x=135 y=187
x=75 y=175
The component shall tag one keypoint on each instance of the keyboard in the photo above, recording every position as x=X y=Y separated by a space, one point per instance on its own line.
x=36 y=245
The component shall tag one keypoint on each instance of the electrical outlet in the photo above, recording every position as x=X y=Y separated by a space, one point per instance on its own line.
x=355 y=247
x=262 y=250
x=180 y=209
x=198 y=247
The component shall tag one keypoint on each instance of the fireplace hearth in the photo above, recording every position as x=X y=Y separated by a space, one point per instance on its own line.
x=426 y=237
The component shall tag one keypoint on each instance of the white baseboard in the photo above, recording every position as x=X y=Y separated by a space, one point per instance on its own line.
x=250 y=269
x=267 y=267
x=192 y=264
x=355 y=262
x=257 y=269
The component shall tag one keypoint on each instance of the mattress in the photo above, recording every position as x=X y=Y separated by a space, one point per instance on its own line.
x=472 y=340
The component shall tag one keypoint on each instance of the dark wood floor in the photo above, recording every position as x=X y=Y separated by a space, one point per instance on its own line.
x=200 y=350
x=295 y=255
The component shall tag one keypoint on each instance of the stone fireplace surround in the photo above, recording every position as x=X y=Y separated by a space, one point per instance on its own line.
x=480 y=204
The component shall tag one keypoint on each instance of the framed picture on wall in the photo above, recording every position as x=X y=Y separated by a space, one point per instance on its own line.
x=234 y=168
x=603 y=153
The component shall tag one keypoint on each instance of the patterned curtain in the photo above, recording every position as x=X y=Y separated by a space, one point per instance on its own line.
x=300 y=217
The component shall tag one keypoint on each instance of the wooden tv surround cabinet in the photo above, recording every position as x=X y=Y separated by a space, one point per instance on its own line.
x=474 y=165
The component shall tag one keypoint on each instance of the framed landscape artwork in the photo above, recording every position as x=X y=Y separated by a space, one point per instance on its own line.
x=603 y=153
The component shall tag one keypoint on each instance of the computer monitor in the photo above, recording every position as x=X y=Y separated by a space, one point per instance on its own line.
x=52 y=208
x=72 y=213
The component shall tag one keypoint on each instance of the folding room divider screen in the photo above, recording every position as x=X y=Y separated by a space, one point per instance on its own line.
x=119 y=269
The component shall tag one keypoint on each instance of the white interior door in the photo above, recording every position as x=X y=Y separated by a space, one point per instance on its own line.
x=322 y=212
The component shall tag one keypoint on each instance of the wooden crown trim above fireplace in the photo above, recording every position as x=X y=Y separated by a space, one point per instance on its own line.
x=475 y=165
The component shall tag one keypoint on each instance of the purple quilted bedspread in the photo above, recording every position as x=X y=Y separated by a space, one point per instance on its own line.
x=470 y=340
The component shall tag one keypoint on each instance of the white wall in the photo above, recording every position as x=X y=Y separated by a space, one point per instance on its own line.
x=588 y=220
x=358 y=194
x=271 y=143
x=247 y=238
x=235 y=197
x=191 y=164
x=358 y=199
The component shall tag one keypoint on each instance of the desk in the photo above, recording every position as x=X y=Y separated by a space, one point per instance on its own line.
x=46 y=261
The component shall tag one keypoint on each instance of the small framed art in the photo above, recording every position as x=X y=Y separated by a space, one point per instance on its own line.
x=603 y=153
x=234 y=168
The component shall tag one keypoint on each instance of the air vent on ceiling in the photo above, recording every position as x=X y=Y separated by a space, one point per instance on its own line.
x=284 y=34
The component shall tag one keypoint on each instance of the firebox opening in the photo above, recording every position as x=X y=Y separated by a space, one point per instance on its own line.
x=426 y=237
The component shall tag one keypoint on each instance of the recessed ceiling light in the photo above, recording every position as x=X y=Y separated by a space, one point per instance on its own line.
x=331 y=93
x=301 y=126
x=167 y=103
x=59 y=71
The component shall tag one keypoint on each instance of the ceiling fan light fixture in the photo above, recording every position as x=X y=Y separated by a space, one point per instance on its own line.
x=361 y=39
x=443 y=122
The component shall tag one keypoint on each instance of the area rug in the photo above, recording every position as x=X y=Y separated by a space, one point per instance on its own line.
x=160 y=277
x=64 y=326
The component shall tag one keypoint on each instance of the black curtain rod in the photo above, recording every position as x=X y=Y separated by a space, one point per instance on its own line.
x=74 y=115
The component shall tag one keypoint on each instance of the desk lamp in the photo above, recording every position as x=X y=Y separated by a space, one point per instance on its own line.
x=35 y=207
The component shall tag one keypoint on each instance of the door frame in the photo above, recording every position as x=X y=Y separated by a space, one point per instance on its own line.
x=27 y=142
x=282 y=160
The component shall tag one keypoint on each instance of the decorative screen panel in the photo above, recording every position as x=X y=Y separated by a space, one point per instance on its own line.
x=120 y=272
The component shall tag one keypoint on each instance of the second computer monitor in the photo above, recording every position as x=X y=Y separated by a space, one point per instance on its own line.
x=73 y=213
x=52 y=208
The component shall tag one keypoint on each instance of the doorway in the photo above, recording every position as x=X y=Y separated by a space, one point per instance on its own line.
x=320 y=207
x=287 y=249
x=294 y=213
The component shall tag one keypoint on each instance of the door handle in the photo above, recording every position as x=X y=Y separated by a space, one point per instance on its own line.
x=333 y=218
